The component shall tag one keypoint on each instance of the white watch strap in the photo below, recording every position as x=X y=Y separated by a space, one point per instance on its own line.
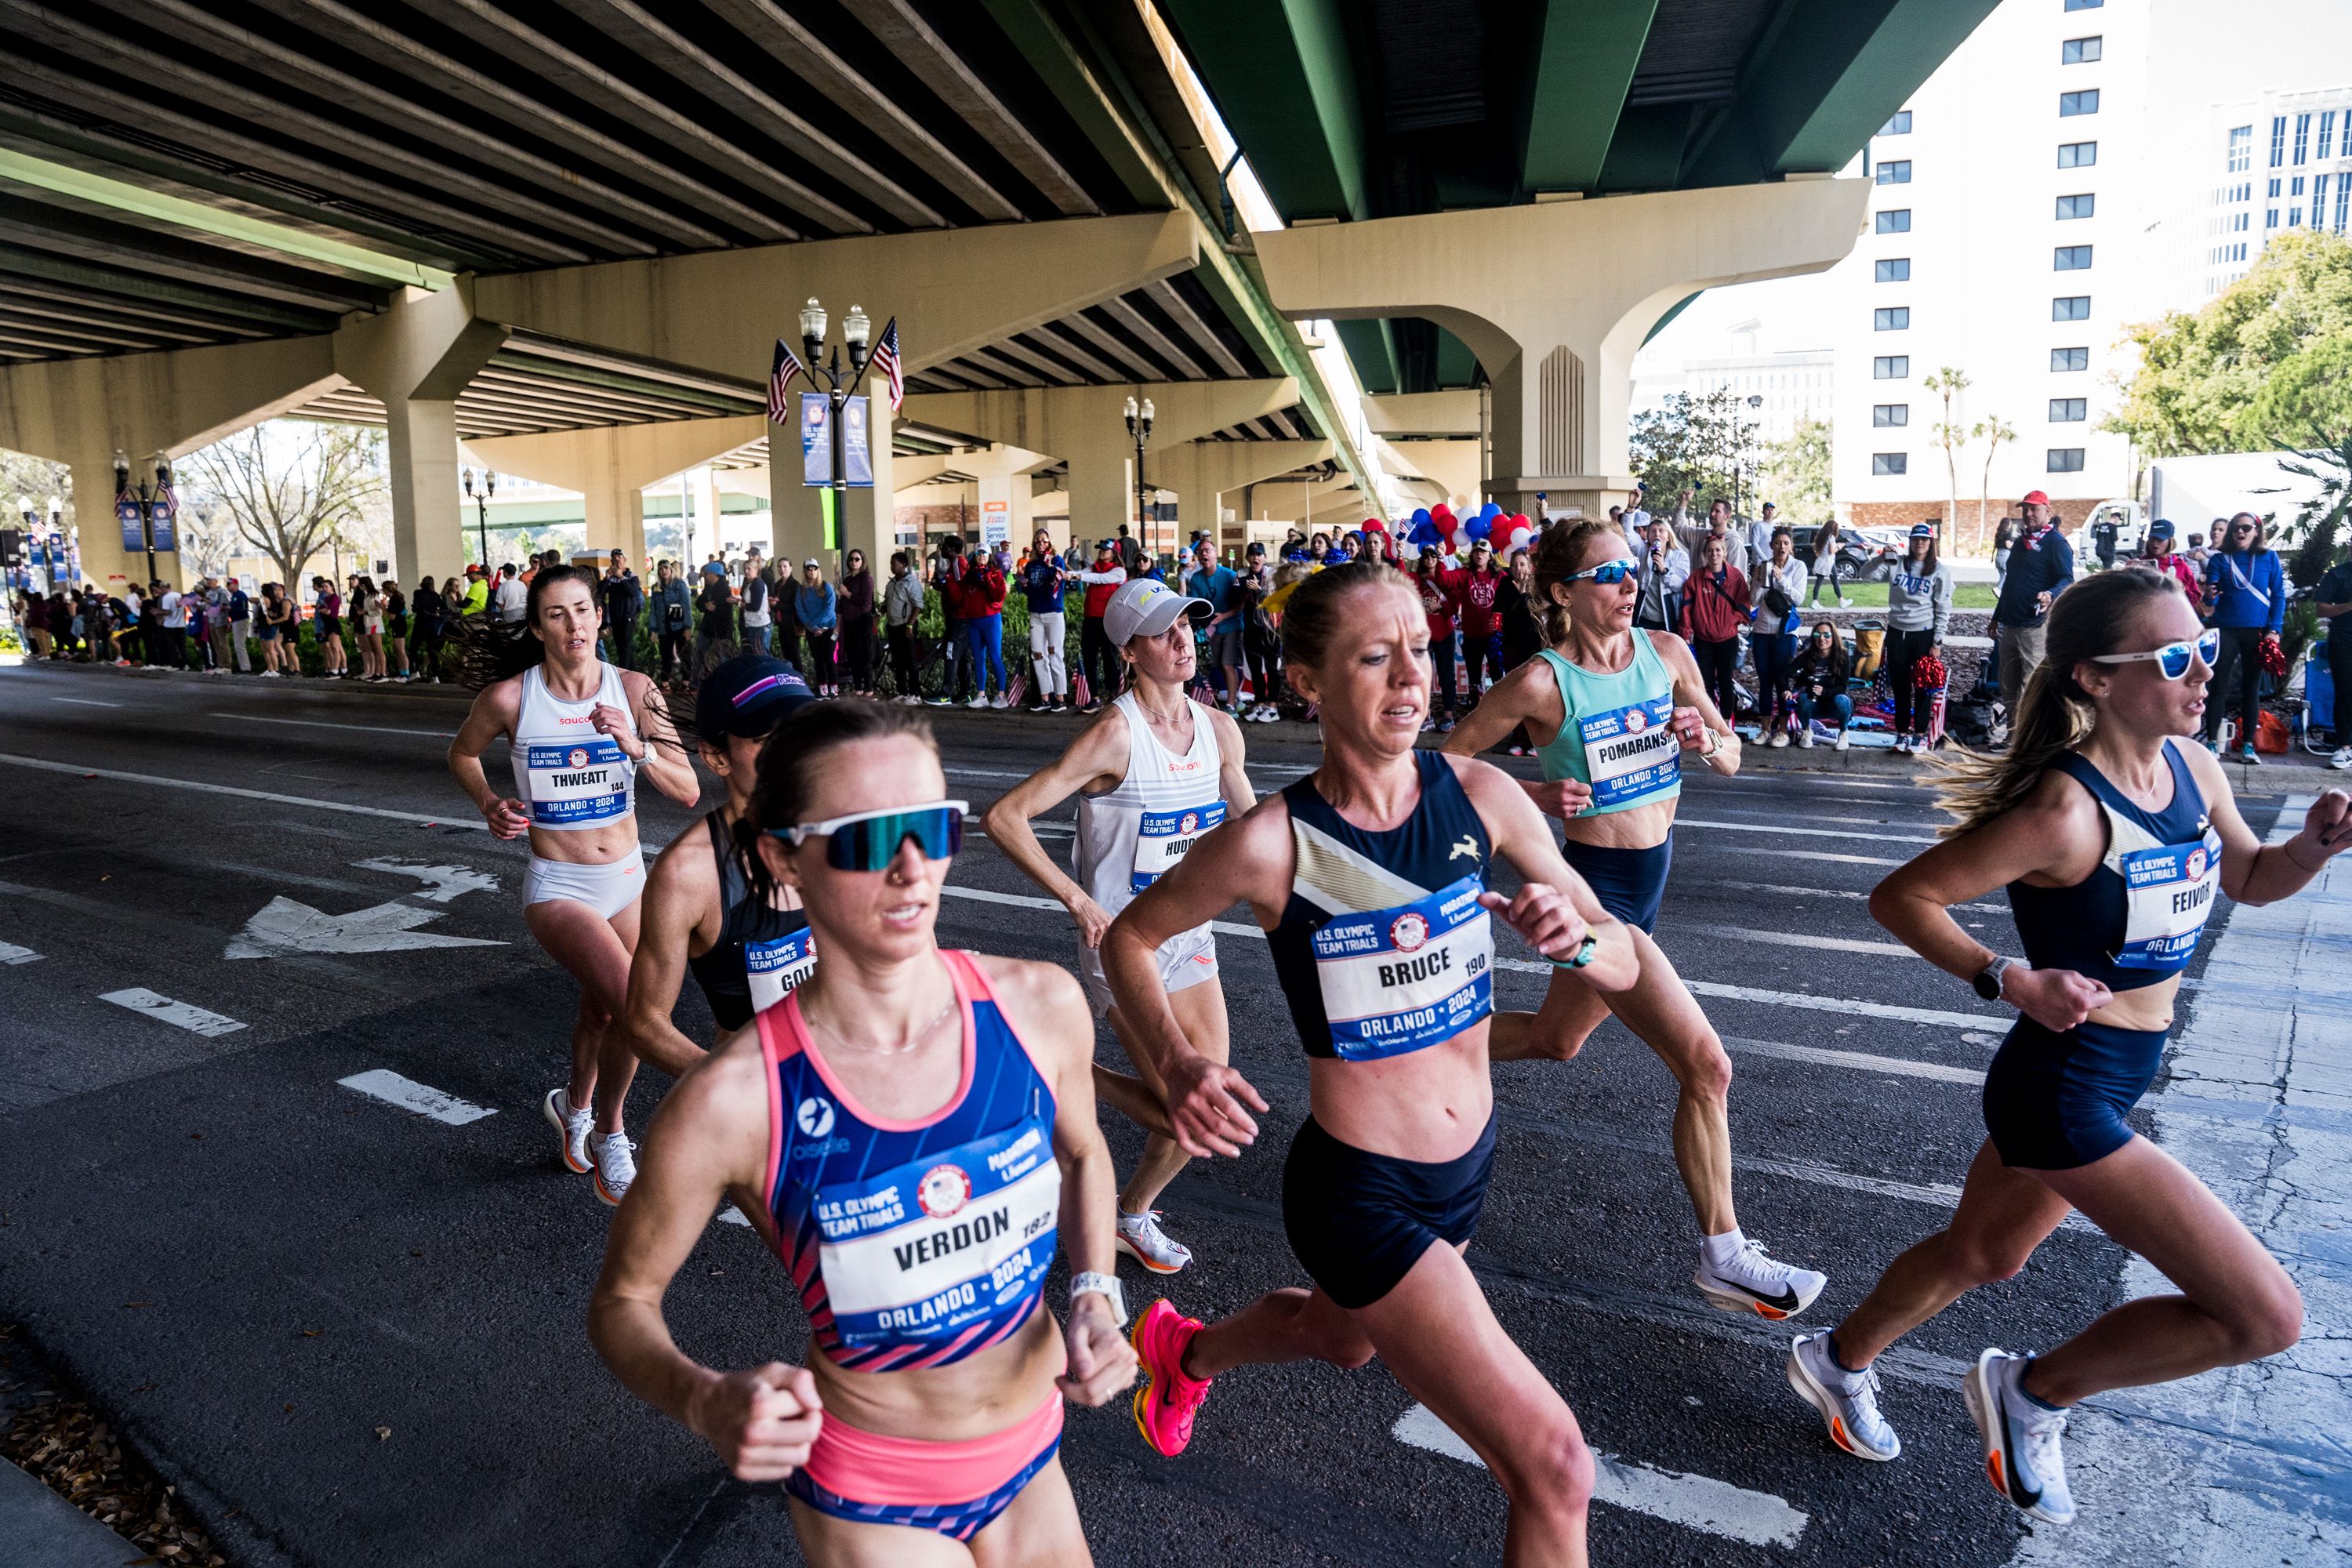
x=1108 y=1287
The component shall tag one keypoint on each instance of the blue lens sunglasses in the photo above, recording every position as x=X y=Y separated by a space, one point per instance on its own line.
x=869 y=840
x=2172 y=660
x=1608 y=575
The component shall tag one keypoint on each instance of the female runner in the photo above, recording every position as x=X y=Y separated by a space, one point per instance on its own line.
x=1369 y=876
x=707 y=909
x=1611 y=708
x=1152 y=775
x=913 y=1130
x=2111 y=830
x=579 y=732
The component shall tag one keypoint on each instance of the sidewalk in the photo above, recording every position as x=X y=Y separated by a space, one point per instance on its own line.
x=39 y=1529
x=2251 y=1464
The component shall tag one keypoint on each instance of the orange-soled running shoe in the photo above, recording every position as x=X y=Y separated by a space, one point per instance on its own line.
x=1169 y=1398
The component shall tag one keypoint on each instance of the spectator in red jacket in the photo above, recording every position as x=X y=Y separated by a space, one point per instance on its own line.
x=1474 y=605
x=977 y=591
x=1715 y=608
x=1437 y=585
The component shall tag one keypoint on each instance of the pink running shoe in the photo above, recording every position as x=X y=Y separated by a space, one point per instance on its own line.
x=1169 y=1399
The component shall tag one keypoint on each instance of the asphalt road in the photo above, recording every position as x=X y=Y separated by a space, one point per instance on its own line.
x=352 y=1332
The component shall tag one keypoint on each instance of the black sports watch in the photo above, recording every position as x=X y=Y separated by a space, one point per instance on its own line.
x=1987 y=983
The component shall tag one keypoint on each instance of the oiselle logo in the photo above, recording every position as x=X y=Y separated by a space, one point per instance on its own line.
x=814 y=1116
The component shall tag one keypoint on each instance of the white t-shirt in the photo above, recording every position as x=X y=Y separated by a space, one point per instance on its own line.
x=513 y=599
x=174 y=615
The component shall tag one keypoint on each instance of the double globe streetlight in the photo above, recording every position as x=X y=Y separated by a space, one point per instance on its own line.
x=857 y=333
x=1138 y=425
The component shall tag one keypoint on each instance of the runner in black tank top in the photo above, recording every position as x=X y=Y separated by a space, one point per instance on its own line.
x=704 y=911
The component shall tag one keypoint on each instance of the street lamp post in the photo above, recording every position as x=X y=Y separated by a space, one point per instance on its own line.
x=146 y=497
x=1138 y=425
x=857 y=333
x=481 y=501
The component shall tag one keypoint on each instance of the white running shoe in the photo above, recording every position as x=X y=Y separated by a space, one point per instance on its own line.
x=979 y=701
x=1779 y=738
x=1753 y=1281
x=1140 y=1237
x=2024 y=1456
x=1806 y=739
x=570 y=1126
x=1002 y=701
x=617 y=1167
x=1844 y=741
x=2342 y=759
x=1848 y=1401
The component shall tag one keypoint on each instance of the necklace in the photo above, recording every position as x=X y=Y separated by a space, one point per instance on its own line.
x=917 y=1039
x=1167 y=719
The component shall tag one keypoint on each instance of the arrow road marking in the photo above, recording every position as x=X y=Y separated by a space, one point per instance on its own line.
x=448 y=881
x=382 y=1083
x=1695 y=1503
x=164 y=1010
x=11 y=954
x=284 y=926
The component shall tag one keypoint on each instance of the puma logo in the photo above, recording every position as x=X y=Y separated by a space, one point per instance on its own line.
x=1468 y=845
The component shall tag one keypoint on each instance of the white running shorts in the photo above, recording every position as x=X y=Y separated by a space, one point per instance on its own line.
x=1187 y=958
x=608 y=888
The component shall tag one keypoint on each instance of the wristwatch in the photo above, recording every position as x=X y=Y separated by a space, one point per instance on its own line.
x=1987 y=983
x=1106 y=1285
x=1584 y=951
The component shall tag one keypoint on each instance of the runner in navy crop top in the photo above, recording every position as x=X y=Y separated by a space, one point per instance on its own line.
x=2114 y=838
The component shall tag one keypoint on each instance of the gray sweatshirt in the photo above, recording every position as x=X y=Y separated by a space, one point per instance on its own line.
x=1917 y=603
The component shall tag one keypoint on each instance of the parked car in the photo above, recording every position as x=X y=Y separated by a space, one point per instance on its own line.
x=1869 y=554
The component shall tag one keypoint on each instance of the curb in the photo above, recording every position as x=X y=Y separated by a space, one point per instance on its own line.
x=38 y=1529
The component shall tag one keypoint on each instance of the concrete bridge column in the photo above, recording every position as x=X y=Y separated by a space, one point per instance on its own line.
x=1558 y=341
x=1200 y=472
x=416 y=357
x=611 y=466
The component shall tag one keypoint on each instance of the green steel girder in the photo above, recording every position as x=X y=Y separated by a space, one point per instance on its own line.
x=1372 y=350
x=1580 y=62
x=1285 y=78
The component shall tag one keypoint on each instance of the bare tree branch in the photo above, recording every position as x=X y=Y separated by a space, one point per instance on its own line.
x=290 y=506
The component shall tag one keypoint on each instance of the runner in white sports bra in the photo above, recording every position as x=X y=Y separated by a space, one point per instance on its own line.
x=1152 y=774
x=579 y=732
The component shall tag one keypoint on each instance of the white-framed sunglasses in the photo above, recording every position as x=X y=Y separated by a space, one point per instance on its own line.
x=869 y=840
x=2172 y=660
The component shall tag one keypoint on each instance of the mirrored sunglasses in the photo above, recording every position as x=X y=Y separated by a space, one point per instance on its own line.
x=2172 y=660
x=869 y=840
x=1608 y=575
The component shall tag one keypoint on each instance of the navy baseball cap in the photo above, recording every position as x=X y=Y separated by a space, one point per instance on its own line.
x=1923 y=531
x=748 y=696
x=2160 y=529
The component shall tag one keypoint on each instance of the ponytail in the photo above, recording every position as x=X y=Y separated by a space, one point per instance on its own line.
x=1560 y=555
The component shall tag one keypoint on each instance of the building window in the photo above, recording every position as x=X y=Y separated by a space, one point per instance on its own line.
x=2242 y=149
x=2070 y=359
x=2294 y=218
x=2071 y=259
x=1900 y=125
x=1894 y=269
x=2078 y=51
x=2302 y=137
x=2070 y=308
x=2276 y=185
x=1890 y=415
x=2297 y=188
x=2066 y=459
x=2068 y=410
x=2327 y=134
x=1890 y=367
x=2073 y=103
x=1894 y=171
x=1895 y=222
x=2077 y=154
x=2077 y=207
x=2343 y=202
x=2270 y=218
x=1891 y=319
x=1890 y=463
x=2085 y=5
x=2278 y=141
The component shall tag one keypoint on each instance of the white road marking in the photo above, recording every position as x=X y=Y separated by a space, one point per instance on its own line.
x=1794 y=892
x=1807 y=832
x=449 y=882
x=1855 y=1061
x=1695 y=1503
x=283 y=926
x=1824 y=855
x=11 y=954
x=85 y=702
x=164 y=1010
x=421 y=818
x=1698 y=987
x=382 y=1083
x=730 y=1214
x=1797 y=938
x=323 y=724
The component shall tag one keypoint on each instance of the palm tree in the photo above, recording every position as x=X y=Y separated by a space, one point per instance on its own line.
x=1993 y=432
x=1948 y=432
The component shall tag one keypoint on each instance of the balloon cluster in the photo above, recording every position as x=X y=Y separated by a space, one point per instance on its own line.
x=1440 y=526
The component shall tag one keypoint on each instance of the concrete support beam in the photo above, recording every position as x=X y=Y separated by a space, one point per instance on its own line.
x=1423 y=414
x=952 y=290
x=416 y=357
x=613 y=465
x=1557 y=341
x=1200 y=472
x=1086 y=425
x=79 y=411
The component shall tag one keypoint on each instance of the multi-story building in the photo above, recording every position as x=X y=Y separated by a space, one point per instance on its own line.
x=2003 y=200
x=1792 y=385
x=2278 y=162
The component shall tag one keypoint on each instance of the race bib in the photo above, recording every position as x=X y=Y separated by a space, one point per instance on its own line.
x=1398 y=980
x=2168 y=894
x=1167 y=836
x=577 y=781
x=1631 y=754
x=778 y=966
x=941 y=1243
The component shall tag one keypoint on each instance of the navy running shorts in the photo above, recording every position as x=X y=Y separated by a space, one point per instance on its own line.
x=1359 y=1221
x=2055 y=1101
x=1630 y=883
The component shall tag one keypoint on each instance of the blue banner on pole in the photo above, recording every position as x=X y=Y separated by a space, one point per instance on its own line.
x=857 y=454
x=816 y=439
x=134 y=535
x=166 y=512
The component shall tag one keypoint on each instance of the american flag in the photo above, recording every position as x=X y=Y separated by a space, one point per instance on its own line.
x=885 y=359
x=780 y=376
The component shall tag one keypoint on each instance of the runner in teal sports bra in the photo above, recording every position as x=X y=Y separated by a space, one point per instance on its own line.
x=1621 y=705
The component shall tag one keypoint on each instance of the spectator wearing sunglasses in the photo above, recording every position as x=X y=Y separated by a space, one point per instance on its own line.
x=2247 y=592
